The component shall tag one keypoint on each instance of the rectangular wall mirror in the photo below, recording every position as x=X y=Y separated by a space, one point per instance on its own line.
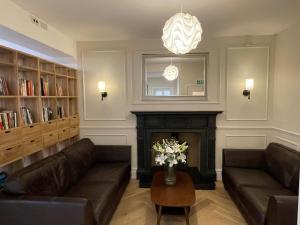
x=173 y=77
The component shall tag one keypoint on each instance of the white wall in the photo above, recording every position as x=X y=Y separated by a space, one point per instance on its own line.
x=286 y=119
x=106 y=126
x=15 y=19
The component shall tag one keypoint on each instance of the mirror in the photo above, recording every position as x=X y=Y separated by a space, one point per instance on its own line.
x=166 y=76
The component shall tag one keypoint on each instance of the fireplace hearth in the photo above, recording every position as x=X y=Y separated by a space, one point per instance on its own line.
x=202 y=124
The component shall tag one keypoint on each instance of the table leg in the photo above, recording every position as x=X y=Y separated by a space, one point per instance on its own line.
x=187 y=215
x=159 y=214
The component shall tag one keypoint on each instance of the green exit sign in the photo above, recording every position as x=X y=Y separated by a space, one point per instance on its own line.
x=199 y=82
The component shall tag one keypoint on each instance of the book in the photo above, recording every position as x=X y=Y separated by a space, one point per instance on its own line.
x=27 y=87
x=26 y=116
x=59 y=90
x=44 y=87
x=47 y=114
x=60 y=112
x=8 y=120
x=3 y=86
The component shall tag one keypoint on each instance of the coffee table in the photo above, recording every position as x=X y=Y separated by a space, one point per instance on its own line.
x=182 y=194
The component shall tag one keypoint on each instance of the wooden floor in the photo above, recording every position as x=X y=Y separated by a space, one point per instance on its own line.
x=211 y=208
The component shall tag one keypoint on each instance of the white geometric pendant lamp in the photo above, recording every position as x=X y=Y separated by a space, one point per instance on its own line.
x=182 y=33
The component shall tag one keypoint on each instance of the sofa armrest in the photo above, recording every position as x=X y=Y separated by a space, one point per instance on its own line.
x=113 y=153
x=35 y=210
x=243 y=158
x=282 y=210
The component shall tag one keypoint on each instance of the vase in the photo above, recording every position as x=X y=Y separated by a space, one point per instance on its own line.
x=170 y=175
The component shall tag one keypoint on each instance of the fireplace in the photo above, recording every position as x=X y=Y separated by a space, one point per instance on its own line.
x=197 y=128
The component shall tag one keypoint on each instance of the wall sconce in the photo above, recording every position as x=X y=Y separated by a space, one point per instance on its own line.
x=102 y=89
x=248 y=87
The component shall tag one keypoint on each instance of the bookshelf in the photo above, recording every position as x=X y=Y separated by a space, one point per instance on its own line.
x=42 y=96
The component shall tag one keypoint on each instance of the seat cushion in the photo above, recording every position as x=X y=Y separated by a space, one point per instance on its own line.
x=49 y=176
x=283 y=163
x=100 y=194
x=256 y=199
x=249 y=177
x=80 y=156
x=115 y=172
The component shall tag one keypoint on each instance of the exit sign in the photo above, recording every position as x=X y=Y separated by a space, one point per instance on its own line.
x=199 y=82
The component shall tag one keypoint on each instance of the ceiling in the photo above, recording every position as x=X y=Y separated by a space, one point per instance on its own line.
x=93 y=20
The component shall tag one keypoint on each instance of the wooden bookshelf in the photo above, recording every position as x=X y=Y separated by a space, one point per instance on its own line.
x=60 y=83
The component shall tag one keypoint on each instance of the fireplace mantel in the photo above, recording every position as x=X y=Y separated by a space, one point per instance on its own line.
x=202 y=122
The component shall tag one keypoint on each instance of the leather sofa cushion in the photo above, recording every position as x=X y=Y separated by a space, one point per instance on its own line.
x=80 y=157
x=115 y=172
x=250 y=177
x=100 y=195
x=50 y=176
x=256 y=200
x=283 y=163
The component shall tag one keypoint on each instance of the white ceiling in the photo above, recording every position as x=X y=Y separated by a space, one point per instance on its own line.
x=90 y=20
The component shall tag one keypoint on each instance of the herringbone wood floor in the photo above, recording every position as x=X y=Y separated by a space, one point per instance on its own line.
x=212 y=207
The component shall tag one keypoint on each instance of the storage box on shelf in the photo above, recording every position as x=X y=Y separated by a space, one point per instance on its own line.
x=43 y=114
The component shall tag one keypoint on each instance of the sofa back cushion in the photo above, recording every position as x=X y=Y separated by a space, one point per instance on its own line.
x=49 y=176
x=80 y=157
x=283 y=164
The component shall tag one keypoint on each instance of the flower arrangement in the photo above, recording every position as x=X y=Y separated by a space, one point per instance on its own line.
x=169 y=152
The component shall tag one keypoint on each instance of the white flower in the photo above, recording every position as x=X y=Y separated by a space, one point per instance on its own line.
x=172 y=162
x=169 y=150
x=182 y=158
x=160 y=159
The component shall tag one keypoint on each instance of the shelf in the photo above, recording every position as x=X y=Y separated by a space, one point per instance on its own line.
x=43 y=72
x=21 y=71
x=8 y=96
x=7 y=64
x=29 y=96
x=61 y=75
x=27 y=68
x=45 y=97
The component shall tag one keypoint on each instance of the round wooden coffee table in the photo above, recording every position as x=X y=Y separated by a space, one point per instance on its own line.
x=182 y=194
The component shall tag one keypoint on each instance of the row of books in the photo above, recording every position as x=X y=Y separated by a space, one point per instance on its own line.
x=26 y=116
x=3 y=86
x=47 y=114
x=44 y=87
x=8 y=119
x=26 y=87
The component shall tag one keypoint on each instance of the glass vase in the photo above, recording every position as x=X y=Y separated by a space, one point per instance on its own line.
x=170 y=175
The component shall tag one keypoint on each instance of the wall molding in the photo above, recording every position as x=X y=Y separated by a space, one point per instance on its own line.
x=219 y=174
x=108 y=127
x=243 y=128
x=288 y=141
x=103 y=135
x=286 y=131
x=85 y=118
x=247 y=135
x=265 y=118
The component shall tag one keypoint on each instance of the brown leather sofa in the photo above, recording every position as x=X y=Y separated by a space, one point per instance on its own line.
x=263 y=183
x=81 y=185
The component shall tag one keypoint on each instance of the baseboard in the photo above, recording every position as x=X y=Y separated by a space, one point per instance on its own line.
x=133 y=173
x=219 y=174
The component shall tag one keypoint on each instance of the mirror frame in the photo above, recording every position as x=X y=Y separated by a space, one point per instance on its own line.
x=174 y=98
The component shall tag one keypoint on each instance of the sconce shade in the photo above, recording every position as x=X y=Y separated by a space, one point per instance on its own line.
x=101 y=86
x=249 y=84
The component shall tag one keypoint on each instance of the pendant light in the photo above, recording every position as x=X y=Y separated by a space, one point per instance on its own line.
x=182 y=33
x=171 y=72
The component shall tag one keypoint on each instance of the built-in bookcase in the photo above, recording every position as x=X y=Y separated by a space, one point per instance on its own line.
x=43 y=97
